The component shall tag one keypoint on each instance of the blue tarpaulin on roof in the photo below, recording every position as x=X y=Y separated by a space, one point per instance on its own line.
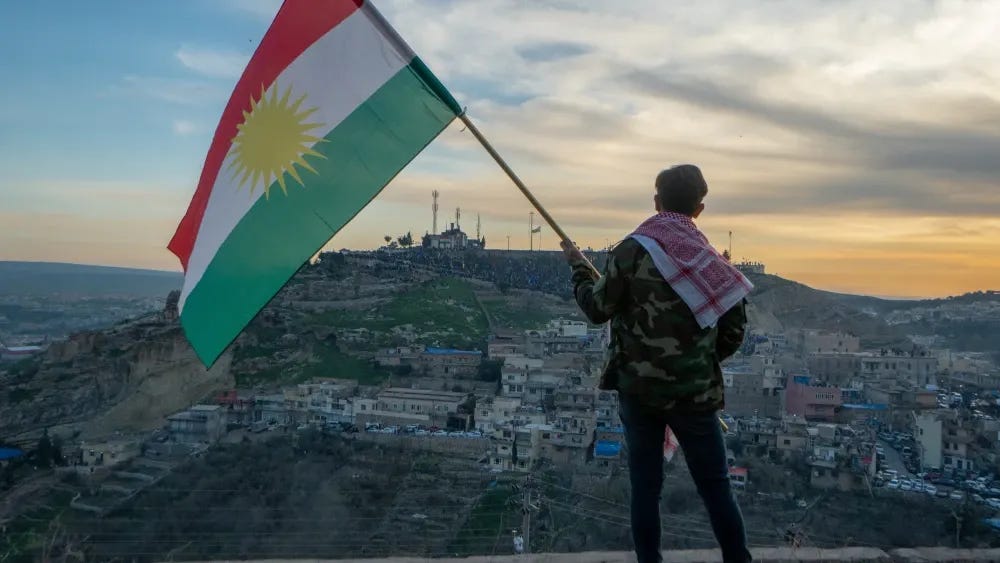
x=606 y=448
x=801 y=379
x=10 y=453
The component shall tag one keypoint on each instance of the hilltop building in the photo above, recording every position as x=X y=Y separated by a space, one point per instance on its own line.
x=750 y=267
x=453 y=239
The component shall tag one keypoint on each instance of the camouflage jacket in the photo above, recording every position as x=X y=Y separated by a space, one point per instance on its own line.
x=659 y=355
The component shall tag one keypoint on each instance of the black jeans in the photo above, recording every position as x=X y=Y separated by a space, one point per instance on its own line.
x=700 y=437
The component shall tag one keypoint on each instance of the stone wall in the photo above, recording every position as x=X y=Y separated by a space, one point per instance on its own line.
x=760 y=555
x=437 y=444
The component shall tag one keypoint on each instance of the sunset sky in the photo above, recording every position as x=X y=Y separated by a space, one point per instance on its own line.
x=850 y=145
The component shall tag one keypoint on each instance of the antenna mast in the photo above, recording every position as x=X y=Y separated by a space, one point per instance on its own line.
x=458 y=218
x=531 y=231
x=434 y=208
x=478 y=226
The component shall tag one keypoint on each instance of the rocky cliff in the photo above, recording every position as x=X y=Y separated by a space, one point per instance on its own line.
x=124 y=378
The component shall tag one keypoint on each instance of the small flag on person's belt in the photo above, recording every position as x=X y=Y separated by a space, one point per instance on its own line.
x=670 y=444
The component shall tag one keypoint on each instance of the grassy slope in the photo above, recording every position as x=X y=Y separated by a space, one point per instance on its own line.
x=442 y=312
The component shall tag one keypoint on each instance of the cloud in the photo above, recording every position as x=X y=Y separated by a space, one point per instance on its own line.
x=820 y=126
x=546 y=52
x=213 y=63
x=173 y=90
x=184 y=127
x=262 y=9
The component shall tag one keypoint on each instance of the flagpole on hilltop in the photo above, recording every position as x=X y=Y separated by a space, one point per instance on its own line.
x=520 y=185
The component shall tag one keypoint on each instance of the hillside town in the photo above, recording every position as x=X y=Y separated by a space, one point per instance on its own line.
x=917 y=421
x=478 y=358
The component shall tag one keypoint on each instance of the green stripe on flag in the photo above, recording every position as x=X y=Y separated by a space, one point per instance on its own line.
x=272 y=241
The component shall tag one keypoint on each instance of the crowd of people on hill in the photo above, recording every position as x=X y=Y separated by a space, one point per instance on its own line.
x=538 y=271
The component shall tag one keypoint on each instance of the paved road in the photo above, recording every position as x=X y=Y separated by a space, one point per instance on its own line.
x=895 y=461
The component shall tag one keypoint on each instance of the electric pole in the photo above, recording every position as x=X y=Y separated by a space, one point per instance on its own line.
x=958 y=529
x=526 y=514
x=508 y=243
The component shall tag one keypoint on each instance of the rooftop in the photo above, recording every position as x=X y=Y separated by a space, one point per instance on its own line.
x=450 y=352
x=427 y=394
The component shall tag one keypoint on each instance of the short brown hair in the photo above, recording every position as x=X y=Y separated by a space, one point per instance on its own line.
x=681 y=188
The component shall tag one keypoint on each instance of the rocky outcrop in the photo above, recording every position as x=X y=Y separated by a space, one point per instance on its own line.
x=124 y=378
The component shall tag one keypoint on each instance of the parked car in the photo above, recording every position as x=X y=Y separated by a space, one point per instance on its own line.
x=421 y=432
x=905 y=486
x=439 y=433
x=893 y=484
x=956 y=495
x=929 y=489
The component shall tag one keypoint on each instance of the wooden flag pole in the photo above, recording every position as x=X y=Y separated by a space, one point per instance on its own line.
x=531 y=197
x=520 y=185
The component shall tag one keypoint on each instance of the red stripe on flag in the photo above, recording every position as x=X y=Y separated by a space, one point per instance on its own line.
x=298 y=24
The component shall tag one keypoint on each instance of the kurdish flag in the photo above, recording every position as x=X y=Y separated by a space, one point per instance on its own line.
x=330 y=108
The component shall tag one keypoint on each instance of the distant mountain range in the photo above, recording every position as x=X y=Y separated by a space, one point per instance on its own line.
x=49 y=278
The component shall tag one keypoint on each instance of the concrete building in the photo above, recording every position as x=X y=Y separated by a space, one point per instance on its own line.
x=746 y=394
x=271 y=408
x=401 y=406
x=955 y=442
x=540 y=388
x=502 y=345
x=398 y=356
x=447 y=362
x=835 y=368
x=451 y=239
x=558 y=337
x=809 y=401
x=204 y=424
x=810 y=341
x=760 y=434
x=513 y=380
x=917 y=369
x=927 y=433
x=606 y=409
x=577 y=398
x=792 y=439
x=436 y=362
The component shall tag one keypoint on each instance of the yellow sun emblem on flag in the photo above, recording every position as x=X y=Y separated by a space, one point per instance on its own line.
x=272 y=140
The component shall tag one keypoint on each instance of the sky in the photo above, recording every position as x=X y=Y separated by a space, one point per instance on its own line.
x=850 y=145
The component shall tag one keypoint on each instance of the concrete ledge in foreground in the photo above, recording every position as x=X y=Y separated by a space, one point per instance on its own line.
x=761 y=555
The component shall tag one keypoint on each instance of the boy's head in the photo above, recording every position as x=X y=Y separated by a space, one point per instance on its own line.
x=681 y=189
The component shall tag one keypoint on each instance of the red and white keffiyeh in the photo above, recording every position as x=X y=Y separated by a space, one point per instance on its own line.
x=706 y=281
